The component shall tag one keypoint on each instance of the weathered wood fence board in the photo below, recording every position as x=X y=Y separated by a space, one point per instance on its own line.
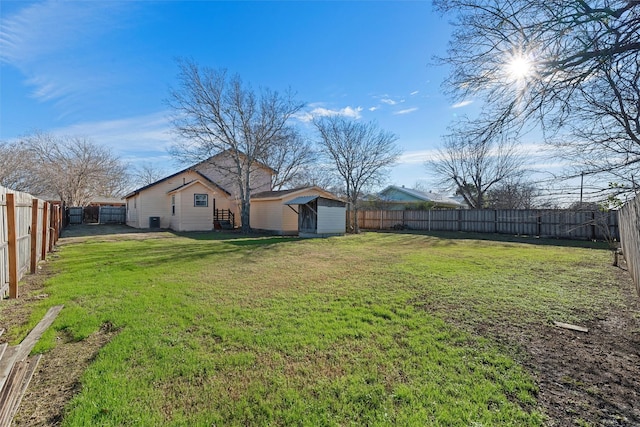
x=29 y=228
x=534 y=222
x=630 y=238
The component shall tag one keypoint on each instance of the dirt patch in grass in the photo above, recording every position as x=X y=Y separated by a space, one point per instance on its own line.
x=57 y=378
x=584 y=378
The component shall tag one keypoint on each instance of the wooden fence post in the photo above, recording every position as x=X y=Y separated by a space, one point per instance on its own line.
x=13 y=245
x=34 y=235
x=56 y=226
x=45 y=230
x=52 y=224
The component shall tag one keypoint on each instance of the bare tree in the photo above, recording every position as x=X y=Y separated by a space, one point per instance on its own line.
x=69 y=167
x=320 y=175
x=571 y=67
x=512 y=194
x=475 y=164
x=146 y=173
x=15 y=168
x=215 y=112
x=360 y=153
x=289 y=157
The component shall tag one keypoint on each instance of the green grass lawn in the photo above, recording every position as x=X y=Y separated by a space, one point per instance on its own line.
x=371 y=329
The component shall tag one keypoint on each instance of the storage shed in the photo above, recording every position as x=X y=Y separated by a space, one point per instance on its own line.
x=319 y=216
x=307 y=211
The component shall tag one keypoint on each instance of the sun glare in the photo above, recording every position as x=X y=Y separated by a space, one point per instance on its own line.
x=519 y=68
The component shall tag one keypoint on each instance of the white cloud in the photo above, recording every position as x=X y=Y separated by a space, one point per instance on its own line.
x=406 y=111
x=388 y=101
x=462 y=104
x=415 y=92
x=141 y=137
x=348 y=111
x=373 y=108
x=50 y=43
x=416 y=157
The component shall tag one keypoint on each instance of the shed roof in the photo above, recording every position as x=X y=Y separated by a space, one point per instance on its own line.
x=301 y=200
x=281 y=194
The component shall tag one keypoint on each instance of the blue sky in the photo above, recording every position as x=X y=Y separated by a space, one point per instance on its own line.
x=103 y=69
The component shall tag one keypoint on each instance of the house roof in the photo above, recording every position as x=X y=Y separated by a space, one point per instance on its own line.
x=134 y=192
x=419 y=196
x=276 y=195
x=206 y=182
x=190 y=168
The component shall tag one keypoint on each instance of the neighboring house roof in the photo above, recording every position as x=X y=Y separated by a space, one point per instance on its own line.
x=397 y=194
x=106 y=201
x=274 y=195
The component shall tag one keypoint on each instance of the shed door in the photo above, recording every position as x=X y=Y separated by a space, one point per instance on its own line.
x=308 y=217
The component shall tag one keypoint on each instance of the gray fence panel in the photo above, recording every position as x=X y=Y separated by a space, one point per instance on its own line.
x=75 y=214
x=112 y=214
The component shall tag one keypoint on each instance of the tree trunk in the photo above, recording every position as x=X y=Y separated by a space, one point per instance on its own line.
x=245 y=215
x=356 y=226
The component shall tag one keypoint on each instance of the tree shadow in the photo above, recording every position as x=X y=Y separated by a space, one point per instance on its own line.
x=506 y=238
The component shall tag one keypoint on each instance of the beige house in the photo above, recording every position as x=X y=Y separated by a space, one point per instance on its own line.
x=308 y=211
x=198 y=198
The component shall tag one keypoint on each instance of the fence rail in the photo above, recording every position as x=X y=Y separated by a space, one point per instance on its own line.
x=29 y=227
x=630 y=238
x=554 y=223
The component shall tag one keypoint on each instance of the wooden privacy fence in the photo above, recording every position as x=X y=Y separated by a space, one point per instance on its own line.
x=554 y=223
x=29 y=227
x=630 y=238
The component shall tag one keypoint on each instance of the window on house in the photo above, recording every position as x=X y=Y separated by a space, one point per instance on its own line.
x=201 y=200
x=173 y=205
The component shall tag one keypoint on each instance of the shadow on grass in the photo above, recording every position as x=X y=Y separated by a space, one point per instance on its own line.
x=231 y=237
x=88 y=230
x=236 y=238
x=507 y=238
x=136 y=250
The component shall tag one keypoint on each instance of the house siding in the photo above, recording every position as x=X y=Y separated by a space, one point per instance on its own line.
x=289 y=220
x=218 y=172
x=266 y=215
x=194 y=218
x=132 y=212
x=155 y=201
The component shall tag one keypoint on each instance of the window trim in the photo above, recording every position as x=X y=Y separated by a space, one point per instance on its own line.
x=198 y=203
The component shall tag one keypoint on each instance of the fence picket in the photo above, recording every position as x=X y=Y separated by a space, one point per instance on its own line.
x=23 y=237
x=629 y=223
